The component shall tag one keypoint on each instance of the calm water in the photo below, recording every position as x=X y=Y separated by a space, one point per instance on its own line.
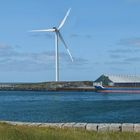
x=69 y=107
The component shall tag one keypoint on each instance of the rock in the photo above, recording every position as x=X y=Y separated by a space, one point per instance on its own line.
x=92 y=127
x=68 y=125
x=58 y=125
x=137 y=127
x=31 y=124
x=80 y=125
x=103 y=127
x=115 y=127
x=127 y=127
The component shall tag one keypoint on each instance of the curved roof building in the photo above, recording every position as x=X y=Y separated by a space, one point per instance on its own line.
x=119 y=80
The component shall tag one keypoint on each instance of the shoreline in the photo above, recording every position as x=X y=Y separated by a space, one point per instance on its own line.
x=70 y=89
x=98 y=127
x=49 y=86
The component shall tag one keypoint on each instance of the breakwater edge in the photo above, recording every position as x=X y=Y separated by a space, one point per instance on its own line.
x=99 y=127
x=49 y=86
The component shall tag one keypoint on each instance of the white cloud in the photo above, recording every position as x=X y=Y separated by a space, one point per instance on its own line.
x=12 y=60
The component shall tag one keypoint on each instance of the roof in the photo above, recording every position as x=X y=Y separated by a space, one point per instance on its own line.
x=123 y=78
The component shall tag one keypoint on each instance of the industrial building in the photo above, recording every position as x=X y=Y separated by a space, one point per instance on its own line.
x=119 y=80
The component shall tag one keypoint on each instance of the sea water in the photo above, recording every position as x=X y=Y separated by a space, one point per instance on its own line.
x=92 y=107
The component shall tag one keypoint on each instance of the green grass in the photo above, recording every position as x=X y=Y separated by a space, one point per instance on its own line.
x=9 y=132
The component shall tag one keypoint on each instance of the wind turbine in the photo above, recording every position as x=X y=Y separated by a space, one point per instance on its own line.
x=58 y=36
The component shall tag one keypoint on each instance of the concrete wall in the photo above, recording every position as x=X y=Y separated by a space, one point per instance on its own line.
x=100 y=127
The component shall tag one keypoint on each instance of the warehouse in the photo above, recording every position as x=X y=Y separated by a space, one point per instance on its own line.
x=119 y=80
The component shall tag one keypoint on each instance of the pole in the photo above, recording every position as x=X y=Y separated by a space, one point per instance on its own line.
x=56 y=57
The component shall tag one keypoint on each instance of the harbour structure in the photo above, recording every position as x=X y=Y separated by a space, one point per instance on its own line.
x=6 y=85
x=118 y=80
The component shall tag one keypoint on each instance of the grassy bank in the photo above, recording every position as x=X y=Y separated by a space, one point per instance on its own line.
x=9 y=132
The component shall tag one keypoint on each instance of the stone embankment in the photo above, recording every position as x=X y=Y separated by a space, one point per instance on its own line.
x=99 y=127
x=49 y=86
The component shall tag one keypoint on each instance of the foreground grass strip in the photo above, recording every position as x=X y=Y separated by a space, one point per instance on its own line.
x=10 y=132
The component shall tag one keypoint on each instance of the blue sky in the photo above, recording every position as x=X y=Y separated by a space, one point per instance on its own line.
x=103 y=36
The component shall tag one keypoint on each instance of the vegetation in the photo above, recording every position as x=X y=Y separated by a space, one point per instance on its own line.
x=9 y=132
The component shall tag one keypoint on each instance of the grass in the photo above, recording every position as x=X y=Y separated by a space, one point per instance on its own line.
x=9 y=132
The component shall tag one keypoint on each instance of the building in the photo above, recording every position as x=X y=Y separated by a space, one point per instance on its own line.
x=119 y=80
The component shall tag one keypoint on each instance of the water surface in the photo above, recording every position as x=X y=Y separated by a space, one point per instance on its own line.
x=69 y=107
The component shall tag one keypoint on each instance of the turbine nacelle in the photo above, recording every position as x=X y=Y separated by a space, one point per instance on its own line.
x=55 y=29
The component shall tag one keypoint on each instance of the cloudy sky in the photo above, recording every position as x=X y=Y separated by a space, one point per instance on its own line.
x=103 y=36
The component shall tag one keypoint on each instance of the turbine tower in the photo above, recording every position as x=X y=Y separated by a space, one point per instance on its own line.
x=58 y=36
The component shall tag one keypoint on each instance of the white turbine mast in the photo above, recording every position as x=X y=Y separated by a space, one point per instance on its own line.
x=57 y=37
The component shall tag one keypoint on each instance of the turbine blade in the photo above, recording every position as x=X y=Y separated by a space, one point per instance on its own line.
x=61 y=38
x=63 y=21
x=43 y=30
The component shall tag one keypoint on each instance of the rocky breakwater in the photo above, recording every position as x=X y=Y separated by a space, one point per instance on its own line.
x=51 y=86
x=99 y=127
